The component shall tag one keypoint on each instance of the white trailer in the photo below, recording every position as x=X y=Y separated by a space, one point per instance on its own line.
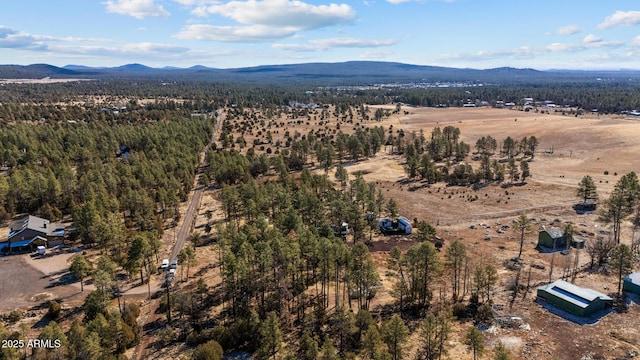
x=400 y=226
x=404 y=225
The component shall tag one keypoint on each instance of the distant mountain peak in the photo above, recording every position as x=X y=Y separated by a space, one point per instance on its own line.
x=318 y=73
x=133 y=67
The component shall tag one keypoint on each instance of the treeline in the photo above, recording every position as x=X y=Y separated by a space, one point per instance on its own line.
x=116 y=110
x=606 y=96
x=62 y=169
x=440 y=157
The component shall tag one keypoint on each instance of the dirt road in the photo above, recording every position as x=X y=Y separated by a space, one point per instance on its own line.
x=149 y=313
x=189 y=217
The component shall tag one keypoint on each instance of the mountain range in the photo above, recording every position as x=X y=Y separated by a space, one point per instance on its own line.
x=344 y=73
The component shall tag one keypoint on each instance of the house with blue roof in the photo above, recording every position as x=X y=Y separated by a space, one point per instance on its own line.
x=29 y=232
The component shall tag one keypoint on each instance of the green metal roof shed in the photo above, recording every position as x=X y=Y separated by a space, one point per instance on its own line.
x=632 y=283
x=552 y=238
x=574 y=299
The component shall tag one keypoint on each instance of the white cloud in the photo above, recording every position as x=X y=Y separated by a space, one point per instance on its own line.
x=375 y=54
x=13 y=39
x=251 y=33
x=529 y=52
x=134 y=50
x=283 y=13
x=197 y=2
x=567 y=30
x=325 y=44
x=522 y=52
x=621 y=18
x=5 y=32
x=75 y=46
x=147 y=47
x=589 y=39
x=560 y=47
x=636 y=41
x=264 y=20
x=586 y=45
x=139 y=9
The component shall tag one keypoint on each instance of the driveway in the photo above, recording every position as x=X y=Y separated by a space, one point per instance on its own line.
x=27 y=282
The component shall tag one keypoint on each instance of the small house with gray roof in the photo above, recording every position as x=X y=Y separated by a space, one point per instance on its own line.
x=574 y=299
x=30 y=231
x=555 y=239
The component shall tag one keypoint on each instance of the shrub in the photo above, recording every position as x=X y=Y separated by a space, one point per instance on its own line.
x=459 y=310
x=223 y=336
x=484 y=314
x=193 y=338
x=15 y=316
x=211 y=350
x=54 y=310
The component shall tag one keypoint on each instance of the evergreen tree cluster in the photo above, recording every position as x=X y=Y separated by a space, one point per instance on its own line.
x=440 y=158
x=61 y=169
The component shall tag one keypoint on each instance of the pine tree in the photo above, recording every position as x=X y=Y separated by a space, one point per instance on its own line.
x=395 y=334
x=270 y=337
x=372 y=344
x=522 y=227
x=474 y=341
x=308 y=348
x=587 y=189
x=621 y=259
x=501 y=352
x=80 y=268
x=623 y=200
x=455 y=257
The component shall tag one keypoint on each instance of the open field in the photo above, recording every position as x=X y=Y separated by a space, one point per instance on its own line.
x=581 y=146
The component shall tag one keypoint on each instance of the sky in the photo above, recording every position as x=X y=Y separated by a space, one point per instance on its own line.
x=480 y=34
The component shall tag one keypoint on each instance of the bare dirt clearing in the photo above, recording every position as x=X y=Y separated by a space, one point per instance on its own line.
x=27 y=282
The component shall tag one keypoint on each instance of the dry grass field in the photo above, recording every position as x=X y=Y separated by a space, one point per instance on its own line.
x=569 y=149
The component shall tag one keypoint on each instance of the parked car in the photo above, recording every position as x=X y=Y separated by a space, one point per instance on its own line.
x=174 y=264
x=165 y=264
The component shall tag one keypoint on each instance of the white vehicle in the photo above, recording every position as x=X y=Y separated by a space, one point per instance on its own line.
x=165 y=264
x=174 y=264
